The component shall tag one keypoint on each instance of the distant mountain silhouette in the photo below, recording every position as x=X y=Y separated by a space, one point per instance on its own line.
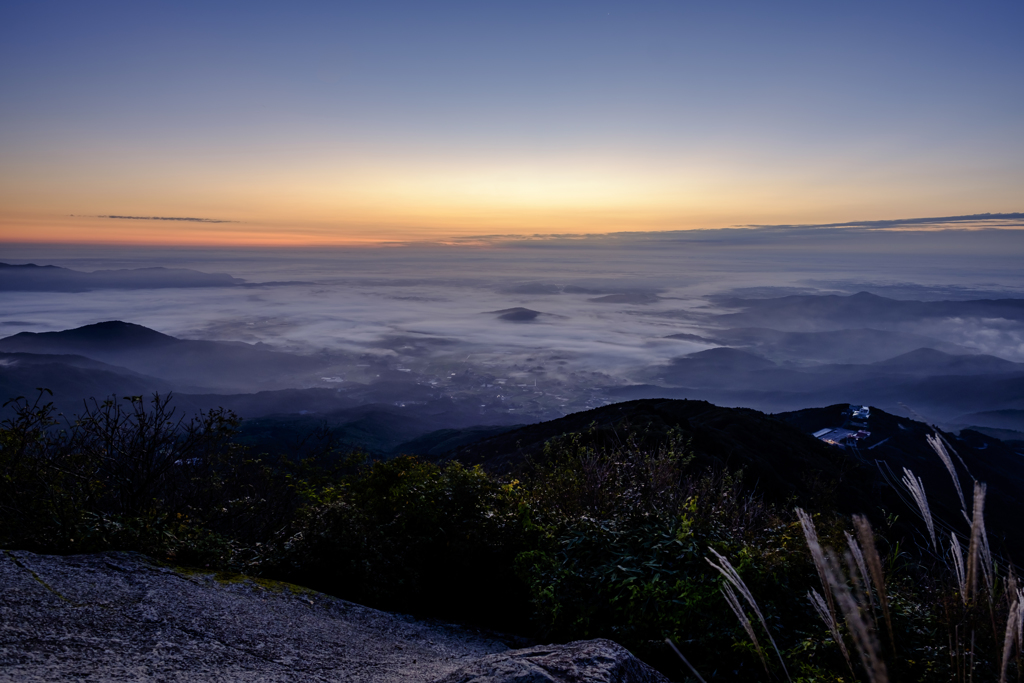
x=817 y=313
x=124 y=359
x=233 y=366
x=685 y=336
x=627 y=298
x=29 y=277
x=724 y=359
x=935 y=383
x=858 y=345
x=441 y=441
x=931 y=362
x=722 y=435
x=534 y=288
x=1009 y=419
x=113 y=336
x=71 y=378
x=725 y=368
x=517 y=315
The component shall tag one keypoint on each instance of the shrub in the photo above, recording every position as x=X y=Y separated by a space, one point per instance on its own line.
x=410 y=535
x=131 y=474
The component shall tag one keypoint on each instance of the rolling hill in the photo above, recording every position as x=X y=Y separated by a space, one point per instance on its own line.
x=784 y=462
x=183 y=363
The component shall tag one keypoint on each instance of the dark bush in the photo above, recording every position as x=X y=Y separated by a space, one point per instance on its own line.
x=413 y=536
x=131 y=474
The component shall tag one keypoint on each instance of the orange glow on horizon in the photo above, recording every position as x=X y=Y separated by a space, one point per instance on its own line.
x=433 y=227
x=325 y=199
x=91 y=230
x=317 y=201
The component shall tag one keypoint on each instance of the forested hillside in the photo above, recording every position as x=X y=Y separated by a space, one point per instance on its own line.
x=635 y=522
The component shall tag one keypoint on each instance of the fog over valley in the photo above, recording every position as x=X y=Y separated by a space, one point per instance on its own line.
x=506 y=331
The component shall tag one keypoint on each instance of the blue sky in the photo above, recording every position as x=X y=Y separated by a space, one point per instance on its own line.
x=373 y=121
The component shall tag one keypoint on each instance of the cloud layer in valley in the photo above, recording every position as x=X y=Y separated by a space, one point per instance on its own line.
x=570 y=316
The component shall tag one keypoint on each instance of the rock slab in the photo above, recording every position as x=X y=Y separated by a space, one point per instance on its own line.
x=582 y=661
x=122 y=617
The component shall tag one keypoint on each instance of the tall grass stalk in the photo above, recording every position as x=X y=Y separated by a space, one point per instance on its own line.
x=685 y=660
x=987 y=565
x=862 y=569
x=822 y=609
x=811 y=536
x=874 y=562
x=940 y=450
x=834 y=581
x=978 y=553
x=737 y=608
x=726 y=569
x=958 y=566
x=916 y=488
x=1012 y=635
x=849 y=584
x=861 y=628
x=1020 y=628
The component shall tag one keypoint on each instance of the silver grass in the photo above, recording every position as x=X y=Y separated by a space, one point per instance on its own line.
x=868 y=648
x=916 y=488
x=950 y=449
x=1011 y=635
x=977 y=552
x=874 y=562
x=940 y=449
x=732 y=576
x=862 y=569
x=737 y=608
x=811 y=535
x=685 y=660
x=1020 y=627
x=822 y=609
x=958 y=566
x=987 y=566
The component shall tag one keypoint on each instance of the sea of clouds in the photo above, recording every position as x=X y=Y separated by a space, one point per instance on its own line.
x=431 y=300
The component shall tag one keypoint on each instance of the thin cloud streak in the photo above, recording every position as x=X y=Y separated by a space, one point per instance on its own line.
x=169 y=218
x=981 y=220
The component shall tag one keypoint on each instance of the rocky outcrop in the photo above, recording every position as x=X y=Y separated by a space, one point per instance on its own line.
x=122 y=617
x=584 y=661
x=119 y=616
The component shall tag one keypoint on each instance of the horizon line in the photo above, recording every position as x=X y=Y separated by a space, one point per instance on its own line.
x=262 y=240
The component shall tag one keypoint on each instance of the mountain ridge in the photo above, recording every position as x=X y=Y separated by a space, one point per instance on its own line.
x=782 y=459
x=209 y=365
x=30 y=277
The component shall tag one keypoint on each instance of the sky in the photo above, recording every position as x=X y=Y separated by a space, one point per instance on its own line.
x=395 y=122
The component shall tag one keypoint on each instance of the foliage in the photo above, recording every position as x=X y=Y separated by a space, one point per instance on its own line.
x=132 y=474
x=408 y=535
x=607 y=540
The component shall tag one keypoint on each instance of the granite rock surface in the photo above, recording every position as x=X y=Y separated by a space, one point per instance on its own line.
x=583 y=661
x=122 y=617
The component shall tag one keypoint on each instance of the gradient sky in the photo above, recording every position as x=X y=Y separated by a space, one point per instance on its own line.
x=341 y=122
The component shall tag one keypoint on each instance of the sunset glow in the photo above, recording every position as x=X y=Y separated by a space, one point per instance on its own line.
x=399 y=123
